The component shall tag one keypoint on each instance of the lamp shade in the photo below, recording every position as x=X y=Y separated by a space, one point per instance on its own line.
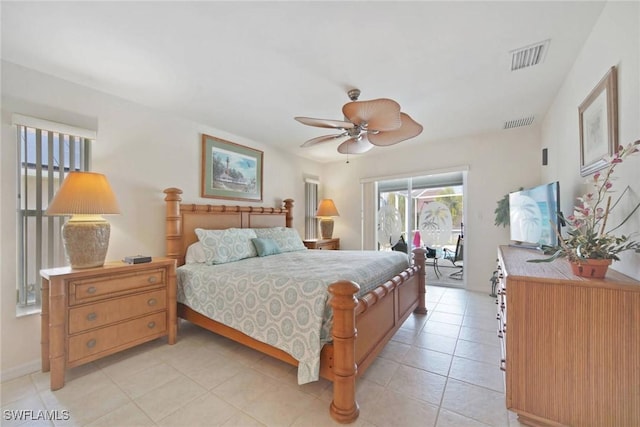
x=86 y=196
x=84 y=193
x=327 y=209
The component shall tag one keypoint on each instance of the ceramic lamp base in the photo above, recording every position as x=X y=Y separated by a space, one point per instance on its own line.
x=326 y=228
x=86 y=242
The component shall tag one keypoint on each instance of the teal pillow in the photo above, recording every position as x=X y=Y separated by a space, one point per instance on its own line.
x=265 y=247
x=288 y=239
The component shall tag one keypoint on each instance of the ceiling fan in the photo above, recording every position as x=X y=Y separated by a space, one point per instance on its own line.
x=367 y=124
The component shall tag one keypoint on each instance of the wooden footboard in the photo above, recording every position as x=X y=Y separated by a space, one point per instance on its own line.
x=361 y=327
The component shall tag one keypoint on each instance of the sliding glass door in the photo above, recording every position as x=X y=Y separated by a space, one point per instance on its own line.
x=424 y=211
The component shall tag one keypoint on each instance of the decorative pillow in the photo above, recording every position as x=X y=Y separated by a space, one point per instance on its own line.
x=288 y=239
x=195 y=254
x=266 y=246
x=222 y=246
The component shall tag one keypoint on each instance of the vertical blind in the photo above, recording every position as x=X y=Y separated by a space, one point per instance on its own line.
x=47 y=151
x=311 y=206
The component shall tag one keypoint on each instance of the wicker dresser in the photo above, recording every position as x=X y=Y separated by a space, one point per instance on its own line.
x=571 y=346
x=91 y=313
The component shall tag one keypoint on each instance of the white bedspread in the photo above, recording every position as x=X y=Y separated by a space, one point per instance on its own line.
x=282 y=299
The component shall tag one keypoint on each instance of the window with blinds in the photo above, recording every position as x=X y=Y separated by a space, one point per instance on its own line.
x=311 y=206
x=47 y=151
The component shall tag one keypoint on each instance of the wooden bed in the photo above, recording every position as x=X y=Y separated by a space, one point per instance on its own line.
x=361 y=326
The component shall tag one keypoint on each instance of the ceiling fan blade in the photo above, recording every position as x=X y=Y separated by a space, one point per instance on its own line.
x=355 y=145
x=325 y=123
x=324 y=138
x=380 y=114
x=409 y=129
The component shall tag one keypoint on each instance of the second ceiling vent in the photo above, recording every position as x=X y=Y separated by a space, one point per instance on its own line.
x=525 y=121
x=529 y=56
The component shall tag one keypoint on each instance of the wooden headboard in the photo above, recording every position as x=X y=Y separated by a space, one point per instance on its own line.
x=183 y=219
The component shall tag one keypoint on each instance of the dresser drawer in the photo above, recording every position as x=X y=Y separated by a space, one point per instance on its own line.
x=85 y=317
x=104 y=339
x=92 y=289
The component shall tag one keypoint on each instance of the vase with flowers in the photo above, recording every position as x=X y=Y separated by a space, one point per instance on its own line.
x=589 y=246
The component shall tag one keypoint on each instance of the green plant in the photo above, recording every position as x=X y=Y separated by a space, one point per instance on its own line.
x=588 y=237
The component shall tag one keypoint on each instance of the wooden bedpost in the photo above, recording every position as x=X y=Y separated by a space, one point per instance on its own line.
x=344 y=407
x=419 y=260
x=288 y=205
x=173 y=231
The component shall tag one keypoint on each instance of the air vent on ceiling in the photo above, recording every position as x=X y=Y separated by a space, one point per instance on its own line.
x=525 y=121
x=529 y=56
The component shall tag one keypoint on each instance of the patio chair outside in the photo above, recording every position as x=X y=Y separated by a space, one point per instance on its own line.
x=456 y=258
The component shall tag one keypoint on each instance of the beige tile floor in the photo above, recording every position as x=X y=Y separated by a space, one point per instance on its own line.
x=439 y=370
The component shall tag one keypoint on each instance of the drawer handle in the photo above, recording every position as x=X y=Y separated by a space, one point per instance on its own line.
x=92 y=316
x=151 y=302
x=151 y=279
x=503 y=365
x=500 y=334
x=91 y=290
x=151 y=325
x=498 y=316
x=91 y=343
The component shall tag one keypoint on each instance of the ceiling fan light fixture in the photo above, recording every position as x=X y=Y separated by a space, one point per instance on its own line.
x=355 y=145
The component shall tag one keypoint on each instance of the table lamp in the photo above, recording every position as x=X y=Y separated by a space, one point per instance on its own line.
x=85 y=196
x=326 y=211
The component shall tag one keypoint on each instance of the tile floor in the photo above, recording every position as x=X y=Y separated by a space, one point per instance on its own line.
x=439 y=370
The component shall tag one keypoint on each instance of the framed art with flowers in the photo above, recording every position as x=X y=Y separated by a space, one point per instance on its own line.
x=598 y=116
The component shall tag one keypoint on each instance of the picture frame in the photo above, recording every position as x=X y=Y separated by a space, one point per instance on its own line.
x=230 y=171
x=598 y=120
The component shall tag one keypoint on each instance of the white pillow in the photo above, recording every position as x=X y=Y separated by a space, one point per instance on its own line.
x=222 y=246
x=288 y=239
x=195 y=254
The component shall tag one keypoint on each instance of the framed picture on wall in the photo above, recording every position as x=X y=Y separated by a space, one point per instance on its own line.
x=230 y=171
x=598 y=115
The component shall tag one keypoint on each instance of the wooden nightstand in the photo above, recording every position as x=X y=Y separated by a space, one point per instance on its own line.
x=91 y=313
x=327 y=244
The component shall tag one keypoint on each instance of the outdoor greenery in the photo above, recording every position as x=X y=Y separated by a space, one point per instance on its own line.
x=454 y=203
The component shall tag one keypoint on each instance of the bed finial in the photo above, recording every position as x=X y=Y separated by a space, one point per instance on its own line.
x=343 y=301
x=173 y=230
x=172 y=194
x=288 y=205
x=419 y=258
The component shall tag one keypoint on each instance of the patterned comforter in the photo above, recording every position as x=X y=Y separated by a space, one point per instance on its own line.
x=282 y=299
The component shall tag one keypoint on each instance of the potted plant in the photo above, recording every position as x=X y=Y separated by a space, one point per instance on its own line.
x=589 y=246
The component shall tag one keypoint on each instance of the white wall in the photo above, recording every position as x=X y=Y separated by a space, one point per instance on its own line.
x=497 y=164
x=141 y=151
x=614 y=41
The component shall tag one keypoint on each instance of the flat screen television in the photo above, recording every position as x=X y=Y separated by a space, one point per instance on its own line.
x=533 y=215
